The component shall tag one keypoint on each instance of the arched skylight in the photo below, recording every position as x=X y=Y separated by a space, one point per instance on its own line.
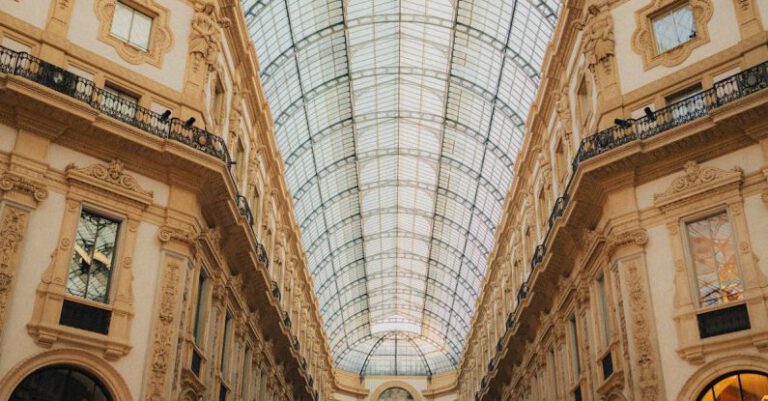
x=399 y=122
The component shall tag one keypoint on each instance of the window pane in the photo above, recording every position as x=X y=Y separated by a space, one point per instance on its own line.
x=728 y=389
x=90 y=268
x=714 y=259
x=140 y=30
x=674 y=28
x=198 y=331
x=754 y=387
x=121 y=21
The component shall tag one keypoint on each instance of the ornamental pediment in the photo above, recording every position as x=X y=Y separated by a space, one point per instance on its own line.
x=697 y=181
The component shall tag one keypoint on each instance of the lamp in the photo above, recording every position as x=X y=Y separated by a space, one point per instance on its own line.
x=650 y=114
x=165 y=116
x=623 y=123
x=189 y=122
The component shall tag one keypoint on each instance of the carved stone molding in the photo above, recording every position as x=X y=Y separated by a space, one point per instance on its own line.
x=110 y=177
x=644 y=40
x=180 y=234
x=641 y=331
x=13 y=224
x=696 y=182
x=163 y=338
x=10 y=182
x=204 y=40
x=599 y=43
x=637 y=237
x=160 y=38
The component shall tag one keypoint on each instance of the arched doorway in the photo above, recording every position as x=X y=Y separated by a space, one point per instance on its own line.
x=60 y=383
x=395 y=394
x=745 y=385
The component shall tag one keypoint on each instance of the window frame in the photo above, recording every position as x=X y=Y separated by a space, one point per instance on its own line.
x=709 y=387
x=666 y=12
x=691 y=268
x=135 y=9
x=117 y=253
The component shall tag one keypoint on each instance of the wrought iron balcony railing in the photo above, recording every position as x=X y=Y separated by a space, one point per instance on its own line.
x=56 y=78
x=51 y=76
x=676 y=114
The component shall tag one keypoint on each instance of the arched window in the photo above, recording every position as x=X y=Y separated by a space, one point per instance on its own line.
x=60 y=383
x=737 y=386
x=395 y=394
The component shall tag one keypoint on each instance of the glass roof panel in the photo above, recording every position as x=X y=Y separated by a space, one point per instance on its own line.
x=399 y=122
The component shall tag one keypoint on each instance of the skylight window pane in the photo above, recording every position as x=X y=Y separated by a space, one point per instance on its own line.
x=393 y=164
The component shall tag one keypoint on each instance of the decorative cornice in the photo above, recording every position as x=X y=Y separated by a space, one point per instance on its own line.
x=112 y=178
x=10 y=182
x=697 y=181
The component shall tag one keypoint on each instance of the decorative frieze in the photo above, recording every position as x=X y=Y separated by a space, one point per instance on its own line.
x=10 y=182
x=13 y=224
x=163 y=334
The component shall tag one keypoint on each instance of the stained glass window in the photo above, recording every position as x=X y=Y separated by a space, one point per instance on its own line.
x=674 y=28
x=90 y=269
x=713 y=253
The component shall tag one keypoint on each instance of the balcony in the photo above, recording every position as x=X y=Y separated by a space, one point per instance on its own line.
x=677 y=114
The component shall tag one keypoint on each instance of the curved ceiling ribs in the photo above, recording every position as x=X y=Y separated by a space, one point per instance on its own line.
x=399 y=122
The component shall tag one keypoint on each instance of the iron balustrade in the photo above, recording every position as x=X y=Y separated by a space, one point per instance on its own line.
x=125 y=110
x=674 y=115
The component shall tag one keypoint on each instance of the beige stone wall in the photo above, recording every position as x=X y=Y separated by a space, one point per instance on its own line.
x=180 y=209
x=620 y=222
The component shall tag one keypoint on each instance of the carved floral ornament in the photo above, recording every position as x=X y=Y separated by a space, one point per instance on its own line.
x=160 y=38
x=12 y=182
x=697 y=180
x=644 y=40
x=111 y=177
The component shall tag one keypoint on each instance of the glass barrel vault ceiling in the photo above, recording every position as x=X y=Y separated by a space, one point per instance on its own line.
x=399 y=122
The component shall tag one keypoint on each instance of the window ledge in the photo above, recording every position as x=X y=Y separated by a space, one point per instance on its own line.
x=47 y=335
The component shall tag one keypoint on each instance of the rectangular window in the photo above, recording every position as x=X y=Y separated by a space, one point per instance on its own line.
x=239 y=159
x=131 y=26
x=575 y=359
x=683 y=94
x=674 y=27
x=90 y=269
x=119 y=103
x=553 y=373
x=245 y=375
x=713 y=255
x=584 y=97
x=225 y=347
x=602 y=299
x=218 y=101
x=200 y=307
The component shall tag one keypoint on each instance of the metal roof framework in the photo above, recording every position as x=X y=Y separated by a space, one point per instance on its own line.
x=399 y=122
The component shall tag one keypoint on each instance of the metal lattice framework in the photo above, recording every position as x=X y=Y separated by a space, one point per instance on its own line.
x=399 y=122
